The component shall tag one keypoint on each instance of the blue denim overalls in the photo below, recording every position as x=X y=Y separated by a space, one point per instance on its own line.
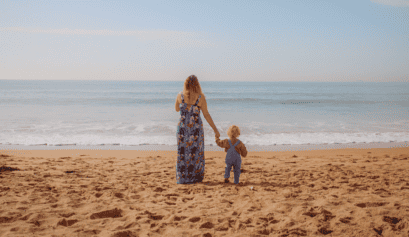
x=233 y=158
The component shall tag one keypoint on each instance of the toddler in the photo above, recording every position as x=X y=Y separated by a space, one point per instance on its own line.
x=234 y=148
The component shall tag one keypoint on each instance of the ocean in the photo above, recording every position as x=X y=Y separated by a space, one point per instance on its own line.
x=130 y=113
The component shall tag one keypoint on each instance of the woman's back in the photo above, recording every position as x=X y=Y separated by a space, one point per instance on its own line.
x=192 y=99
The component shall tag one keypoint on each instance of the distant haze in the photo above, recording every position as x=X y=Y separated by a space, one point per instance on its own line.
x=365 y=40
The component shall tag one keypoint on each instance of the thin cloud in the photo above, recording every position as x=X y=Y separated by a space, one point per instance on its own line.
x=173 y=39
x=396 y=3
x=147 y=35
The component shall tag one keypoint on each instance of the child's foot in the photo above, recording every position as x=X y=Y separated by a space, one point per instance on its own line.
x=226 y=180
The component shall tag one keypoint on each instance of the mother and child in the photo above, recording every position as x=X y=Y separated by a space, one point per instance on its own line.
x=190 y=164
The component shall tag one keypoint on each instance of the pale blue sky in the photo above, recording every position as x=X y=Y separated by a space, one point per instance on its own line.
x=292 y=40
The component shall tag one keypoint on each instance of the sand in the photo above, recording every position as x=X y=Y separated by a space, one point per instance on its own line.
x=344 y=192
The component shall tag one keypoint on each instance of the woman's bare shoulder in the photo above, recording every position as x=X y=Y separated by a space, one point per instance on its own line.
x=179 y=97
x=202 y=98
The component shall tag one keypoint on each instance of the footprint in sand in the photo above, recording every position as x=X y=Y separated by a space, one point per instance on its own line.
x=179 y=218
x=6 y=168
x=269 y=190
x=345 y=220
x=67 y=223
x=206 y=225
x=159 y=189
x=223 y=227
x=171 y=195
x=155 y=217
x=24 y=218
x=382 y=192
x=151 y=216
x=371 y=204
x=298 y=232
x=127 y=233
x=187 y=199
x=90 y=232
x=391 y=220
x=130 y=225
x=5 y=219
x=194 y=219
x=373 y=176
x=324 y=231
x=268 y=219
x=114 y=213
x=226 y=201
x=320 y=212
x=67 y=215
x=37 y=219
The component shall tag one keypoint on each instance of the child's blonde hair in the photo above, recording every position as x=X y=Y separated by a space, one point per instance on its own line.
x=233 y=131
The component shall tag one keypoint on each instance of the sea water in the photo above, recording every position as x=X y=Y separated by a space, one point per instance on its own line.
x=127 y=113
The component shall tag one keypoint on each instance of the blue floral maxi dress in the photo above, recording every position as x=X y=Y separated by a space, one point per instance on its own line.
x=190 y=164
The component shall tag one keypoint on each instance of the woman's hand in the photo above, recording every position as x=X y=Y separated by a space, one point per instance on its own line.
x=217 y=134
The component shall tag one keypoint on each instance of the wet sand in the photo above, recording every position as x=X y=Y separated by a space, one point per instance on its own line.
x=333 y=192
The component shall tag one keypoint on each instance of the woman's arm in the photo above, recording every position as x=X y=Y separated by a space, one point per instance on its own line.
x=177 y=103
x=207 y=116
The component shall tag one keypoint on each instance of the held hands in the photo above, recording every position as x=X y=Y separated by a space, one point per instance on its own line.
x=217 y=134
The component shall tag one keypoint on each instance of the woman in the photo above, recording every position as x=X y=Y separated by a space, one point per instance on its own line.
x=190 y=164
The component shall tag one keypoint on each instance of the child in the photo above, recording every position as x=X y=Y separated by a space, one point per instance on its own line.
x=234 y=148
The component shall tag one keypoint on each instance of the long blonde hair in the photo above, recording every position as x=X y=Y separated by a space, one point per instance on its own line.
x=192 y=85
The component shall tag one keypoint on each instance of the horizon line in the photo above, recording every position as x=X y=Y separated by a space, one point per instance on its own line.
x=178 y=80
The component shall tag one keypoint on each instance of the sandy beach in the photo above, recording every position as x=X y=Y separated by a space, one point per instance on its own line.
x=339 y=192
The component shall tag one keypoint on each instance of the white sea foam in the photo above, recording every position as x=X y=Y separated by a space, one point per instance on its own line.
x=250 y=139
x=133 y=113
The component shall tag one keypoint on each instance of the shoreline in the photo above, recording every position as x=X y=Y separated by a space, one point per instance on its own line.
x=250 y=148
x=151 y=151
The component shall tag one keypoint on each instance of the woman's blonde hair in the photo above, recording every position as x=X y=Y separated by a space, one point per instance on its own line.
x=233 y=131
x=192 y=85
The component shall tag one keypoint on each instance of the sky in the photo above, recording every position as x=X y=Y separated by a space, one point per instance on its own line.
x=292 y=40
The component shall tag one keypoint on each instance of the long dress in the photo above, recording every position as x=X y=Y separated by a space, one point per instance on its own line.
x=190 y=164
